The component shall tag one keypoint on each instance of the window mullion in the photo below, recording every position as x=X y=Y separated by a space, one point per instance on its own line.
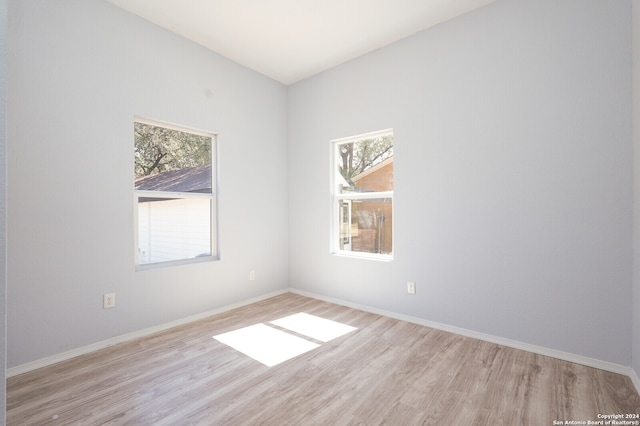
x=364 y=195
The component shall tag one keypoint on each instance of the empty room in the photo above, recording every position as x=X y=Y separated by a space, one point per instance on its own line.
x=320 y=212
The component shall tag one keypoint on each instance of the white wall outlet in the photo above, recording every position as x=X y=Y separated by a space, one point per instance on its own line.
x=411 y=287
x=109 y=300
x=252 y=275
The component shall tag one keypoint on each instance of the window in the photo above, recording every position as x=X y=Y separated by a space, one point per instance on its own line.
x=363 y=195
x=175 y=194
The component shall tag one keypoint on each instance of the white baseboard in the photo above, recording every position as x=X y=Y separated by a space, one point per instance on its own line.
x=24 y=368
x=590 y=362
x=635 y=380
x=578 y=359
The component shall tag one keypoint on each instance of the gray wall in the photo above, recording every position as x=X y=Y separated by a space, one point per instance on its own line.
x=636 y=216
x=3 y=209
x=513 y=174
x=78 y=72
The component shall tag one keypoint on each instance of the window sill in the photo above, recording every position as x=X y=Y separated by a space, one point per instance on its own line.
x=365 y=256
x=172 y=263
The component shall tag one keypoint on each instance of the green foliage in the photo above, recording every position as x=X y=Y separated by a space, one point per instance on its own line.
x=158 y=149
x=356 y=157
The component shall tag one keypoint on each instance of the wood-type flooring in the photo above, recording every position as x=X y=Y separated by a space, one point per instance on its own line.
x=386 y=372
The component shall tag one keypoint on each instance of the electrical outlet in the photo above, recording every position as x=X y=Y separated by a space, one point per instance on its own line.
x=411 y=287
x=252 y=275
x=109 y=300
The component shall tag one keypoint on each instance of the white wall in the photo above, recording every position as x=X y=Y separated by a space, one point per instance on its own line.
x=636 y=216
x=513 y=174
x=79 y=70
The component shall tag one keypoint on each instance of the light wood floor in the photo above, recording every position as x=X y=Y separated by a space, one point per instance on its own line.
x=386 y=372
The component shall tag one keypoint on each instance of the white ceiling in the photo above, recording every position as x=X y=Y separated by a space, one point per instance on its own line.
x=289 y=40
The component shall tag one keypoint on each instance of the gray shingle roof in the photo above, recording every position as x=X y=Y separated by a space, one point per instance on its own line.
x=194 y=179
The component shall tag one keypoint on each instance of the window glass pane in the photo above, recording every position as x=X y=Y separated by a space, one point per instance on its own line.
x=173 y=229
x=366 y=225
x=174 y=171
x=365 y=165
x=171 y=160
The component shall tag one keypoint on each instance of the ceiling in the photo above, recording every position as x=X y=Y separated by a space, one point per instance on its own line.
x=290 y=40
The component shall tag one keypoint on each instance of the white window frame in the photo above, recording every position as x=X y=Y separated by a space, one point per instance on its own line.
x=137 y=194
x=337 y=198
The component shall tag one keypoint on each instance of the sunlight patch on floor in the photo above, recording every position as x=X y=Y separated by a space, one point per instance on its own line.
x=271 y=346
x=266 y=344
x=317 y=328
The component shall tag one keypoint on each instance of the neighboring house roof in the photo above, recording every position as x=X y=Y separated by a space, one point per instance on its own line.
x=344 y=183
x=373 y=169
x=193 y=179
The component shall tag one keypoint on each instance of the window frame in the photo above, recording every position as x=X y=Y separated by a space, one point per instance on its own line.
x=337 y=198
x=212 y=197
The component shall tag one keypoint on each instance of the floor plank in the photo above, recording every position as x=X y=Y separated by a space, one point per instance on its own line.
x=387 y=372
